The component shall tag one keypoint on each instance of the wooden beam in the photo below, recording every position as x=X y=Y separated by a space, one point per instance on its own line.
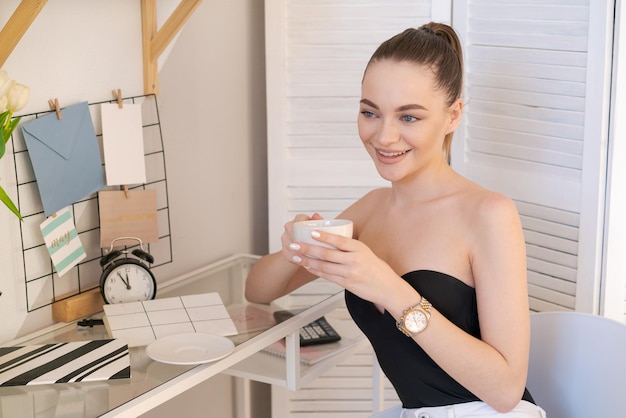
x=149 y=29
x=173 y=25
x=155 y=42
x=17 y=25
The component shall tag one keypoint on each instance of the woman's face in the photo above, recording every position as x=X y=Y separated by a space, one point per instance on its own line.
x=403 y=118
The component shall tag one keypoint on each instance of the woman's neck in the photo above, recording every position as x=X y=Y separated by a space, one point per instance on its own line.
x=424 y=186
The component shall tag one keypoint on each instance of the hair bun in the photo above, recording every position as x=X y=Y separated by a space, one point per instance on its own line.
x=427 y=29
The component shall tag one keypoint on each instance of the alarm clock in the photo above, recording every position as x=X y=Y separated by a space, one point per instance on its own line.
x=127 y=279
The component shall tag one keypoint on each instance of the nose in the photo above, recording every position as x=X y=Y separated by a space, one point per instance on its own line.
x=388 y=133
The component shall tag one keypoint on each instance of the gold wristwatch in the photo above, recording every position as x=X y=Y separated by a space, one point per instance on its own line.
x=415 y=319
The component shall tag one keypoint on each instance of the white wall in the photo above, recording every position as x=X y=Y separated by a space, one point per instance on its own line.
x=212 y=109
x=212 y=91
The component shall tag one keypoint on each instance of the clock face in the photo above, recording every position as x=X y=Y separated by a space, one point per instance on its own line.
x=415 y=321
x=127 y=280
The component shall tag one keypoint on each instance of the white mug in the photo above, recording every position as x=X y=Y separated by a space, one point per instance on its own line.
x=302 y=230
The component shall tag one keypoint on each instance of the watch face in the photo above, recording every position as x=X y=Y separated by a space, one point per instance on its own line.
x=127 y=280
x=415 y=321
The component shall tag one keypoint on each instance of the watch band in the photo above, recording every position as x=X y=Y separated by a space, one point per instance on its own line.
x=423 y=306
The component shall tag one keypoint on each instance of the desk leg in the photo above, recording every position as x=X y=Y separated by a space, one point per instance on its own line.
x=243 y=404
x=292 y=357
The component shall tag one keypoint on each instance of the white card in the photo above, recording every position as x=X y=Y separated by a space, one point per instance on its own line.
x=204 y=312
x=62 y=241
x=122 y=141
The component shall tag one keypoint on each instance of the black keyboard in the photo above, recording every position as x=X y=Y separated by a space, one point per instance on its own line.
x=316 y=332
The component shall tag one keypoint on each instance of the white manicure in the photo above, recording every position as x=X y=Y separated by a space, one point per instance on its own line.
x=294 y=246
x=296 y=259
x=315 y=234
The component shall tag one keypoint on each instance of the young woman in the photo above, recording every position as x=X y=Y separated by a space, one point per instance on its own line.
x=435 y=275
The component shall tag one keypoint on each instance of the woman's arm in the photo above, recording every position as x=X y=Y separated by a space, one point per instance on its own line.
x=275 y=275
x=494 y=367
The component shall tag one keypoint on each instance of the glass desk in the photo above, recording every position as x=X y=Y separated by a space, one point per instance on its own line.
x=153 y=383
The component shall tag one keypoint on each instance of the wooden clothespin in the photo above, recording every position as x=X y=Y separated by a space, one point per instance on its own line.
x=117 y=95
x=54 y=105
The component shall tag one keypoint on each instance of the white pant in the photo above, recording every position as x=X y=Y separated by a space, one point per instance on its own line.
x=474 y=410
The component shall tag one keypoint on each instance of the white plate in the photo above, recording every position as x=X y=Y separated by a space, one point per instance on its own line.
x=193 y=348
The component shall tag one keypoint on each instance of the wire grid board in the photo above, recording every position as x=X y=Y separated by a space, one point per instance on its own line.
x=43 y=285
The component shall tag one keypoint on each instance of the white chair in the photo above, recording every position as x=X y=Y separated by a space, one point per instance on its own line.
x=577 y=365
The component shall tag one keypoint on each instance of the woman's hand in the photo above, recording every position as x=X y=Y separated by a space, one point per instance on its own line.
x=274 y=275
x=287 y=239
x=352 y=265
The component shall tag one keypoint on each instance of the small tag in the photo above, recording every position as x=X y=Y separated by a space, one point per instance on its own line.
x=62 y=241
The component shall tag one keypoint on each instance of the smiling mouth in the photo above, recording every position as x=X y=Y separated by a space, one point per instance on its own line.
x=392 y=154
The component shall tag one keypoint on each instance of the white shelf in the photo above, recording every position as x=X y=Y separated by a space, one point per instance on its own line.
x=267 y=368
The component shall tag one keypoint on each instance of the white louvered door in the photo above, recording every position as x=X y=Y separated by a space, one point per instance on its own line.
x=536 y=128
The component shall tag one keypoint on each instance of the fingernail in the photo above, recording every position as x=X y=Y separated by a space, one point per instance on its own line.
x=315 y=234
x=296 y=259
x=294 y=246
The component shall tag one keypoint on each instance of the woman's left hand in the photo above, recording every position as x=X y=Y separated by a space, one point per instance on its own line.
x=352 y=265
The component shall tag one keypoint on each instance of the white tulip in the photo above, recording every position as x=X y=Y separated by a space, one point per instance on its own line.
x=13 y=97
x=17 y=96
x=4 y=82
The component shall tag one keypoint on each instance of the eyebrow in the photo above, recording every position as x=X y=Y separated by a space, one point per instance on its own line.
x=402 y=108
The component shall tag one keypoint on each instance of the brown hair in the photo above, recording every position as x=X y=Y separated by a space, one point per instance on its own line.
x=434 y=45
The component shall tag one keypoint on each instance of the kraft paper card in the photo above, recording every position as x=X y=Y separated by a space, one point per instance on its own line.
x=62 y=241
x=65 y=156
x=122 y=140
x=134 y=215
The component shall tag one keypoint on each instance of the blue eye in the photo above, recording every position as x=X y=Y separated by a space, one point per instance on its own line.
x=408 y=118
x=367 y=113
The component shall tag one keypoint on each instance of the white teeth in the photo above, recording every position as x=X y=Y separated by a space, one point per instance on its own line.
x=391 y=154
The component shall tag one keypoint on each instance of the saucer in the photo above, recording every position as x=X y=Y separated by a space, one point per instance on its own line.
x=192 y=348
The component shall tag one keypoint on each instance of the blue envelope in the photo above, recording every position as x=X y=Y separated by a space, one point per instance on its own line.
x=65 y=156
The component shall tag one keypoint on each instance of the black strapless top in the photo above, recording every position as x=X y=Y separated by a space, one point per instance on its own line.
x=417 y=379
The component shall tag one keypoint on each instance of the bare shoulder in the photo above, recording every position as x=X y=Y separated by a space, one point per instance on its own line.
x=375 y=196
x=493 y=206
x=490 y=214
x=361 y=210
x=367 y=202
x=490 y=203
x=484 y=205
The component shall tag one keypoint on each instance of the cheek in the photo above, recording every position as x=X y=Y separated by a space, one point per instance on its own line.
x=366 y=129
